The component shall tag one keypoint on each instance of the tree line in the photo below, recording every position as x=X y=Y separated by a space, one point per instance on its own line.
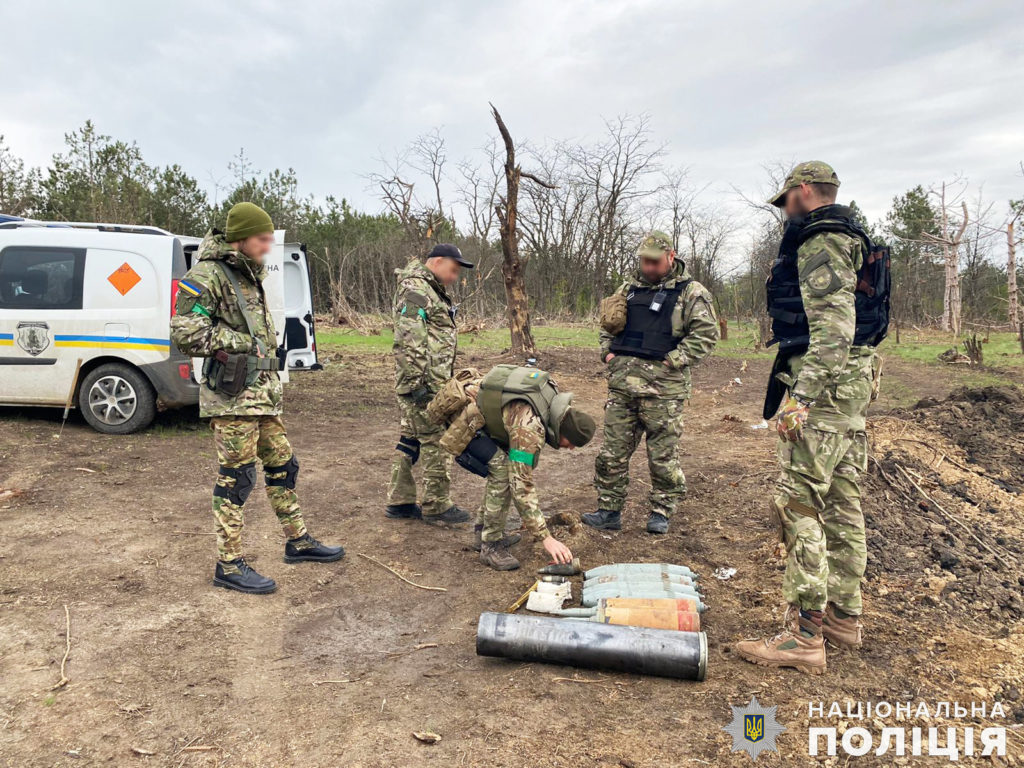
x=581 y=210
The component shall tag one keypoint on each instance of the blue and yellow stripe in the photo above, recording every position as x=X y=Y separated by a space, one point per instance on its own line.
x=112 y=342
x=6 y=339
x=188 y=288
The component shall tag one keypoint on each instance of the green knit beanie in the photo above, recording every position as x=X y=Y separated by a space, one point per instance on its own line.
x=246 y=220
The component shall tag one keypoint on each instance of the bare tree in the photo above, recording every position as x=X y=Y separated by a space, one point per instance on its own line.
x=952 y=305
x=512 y=266
x=615 y=173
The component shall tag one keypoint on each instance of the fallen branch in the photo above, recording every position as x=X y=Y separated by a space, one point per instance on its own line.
x=951 y=460
x=389 y=568
x=64 y=679
x=950 y=516
x=333 y=682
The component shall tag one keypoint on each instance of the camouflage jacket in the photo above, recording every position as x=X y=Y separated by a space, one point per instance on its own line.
x=526 y=439
x=425 y=336
x=207 y=319
x=693 y=321
x=832 y=372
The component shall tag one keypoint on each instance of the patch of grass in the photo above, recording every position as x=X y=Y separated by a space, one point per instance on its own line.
x=1002 y=349
x=922 y=347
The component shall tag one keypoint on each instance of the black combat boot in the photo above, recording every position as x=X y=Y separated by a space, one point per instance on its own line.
x=508 y=540
x=307 y=549
x=657 y=523
x=237 y=575
x=603 y=519
x=451 y=515
x=399 y=511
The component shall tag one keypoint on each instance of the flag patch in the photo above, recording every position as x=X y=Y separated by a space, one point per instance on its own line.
x=189 y=288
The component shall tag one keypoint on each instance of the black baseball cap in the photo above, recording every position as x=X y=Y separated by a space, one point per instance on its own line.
x=449 y=251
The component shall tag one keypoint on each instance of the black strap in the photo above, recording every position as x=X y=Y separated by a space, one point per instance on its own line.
x=249 y=324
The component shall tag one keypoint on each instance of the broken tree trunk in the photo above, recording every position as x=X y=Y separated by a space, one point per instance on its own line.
x=1011 y=274
x=512 y=266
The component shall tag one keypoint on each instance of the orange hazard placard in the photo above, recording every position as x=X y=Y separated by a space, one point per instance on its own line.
x=124 y=278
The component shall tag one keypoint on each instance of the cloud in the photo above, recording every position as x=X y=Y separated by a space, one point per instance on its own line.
x=893 y=94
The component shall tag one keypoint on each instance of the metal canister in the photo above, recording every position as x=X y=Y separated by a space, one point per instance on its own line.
x=593 y=645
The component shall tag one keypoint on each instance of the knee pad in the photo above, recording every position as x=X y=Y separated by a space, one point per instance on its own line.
x=244 y=477
x=289 y=470
x=410 y=446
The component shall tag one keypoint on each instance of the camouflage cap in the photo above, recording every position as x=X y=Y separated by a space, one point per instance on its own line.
x=811 y=172
x=654 y=245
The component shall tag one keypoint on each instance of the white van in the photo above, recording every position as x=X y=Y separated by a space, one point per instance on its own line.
x=85 y=319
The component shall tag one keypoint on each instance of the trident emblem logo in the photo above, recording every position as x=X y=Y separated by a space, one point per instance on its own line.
x=753 y=727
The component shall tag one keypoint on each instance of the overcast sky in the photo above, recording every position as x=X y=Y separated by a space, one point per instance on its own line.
x=893 y=94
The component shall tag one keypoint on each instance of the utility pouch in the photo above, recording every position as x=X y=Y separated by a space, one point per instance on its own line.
x=227 y=374
x=613 y=314
x=776 y=389
x=477 y=454
x=462 y=430
x=452 y=396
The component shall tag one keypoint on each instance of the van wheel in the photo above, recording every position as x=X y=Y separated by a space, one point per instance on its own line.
x=116 y=399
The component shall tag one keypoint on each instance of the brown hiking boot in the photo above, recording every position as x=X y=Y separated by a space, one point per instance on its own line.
x=497 y=556
x=842 y=633
x=508 y=540
x=789 y=648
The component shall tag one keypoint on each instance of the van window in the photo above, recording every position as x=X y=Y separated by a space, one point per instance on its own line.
x=41 y=278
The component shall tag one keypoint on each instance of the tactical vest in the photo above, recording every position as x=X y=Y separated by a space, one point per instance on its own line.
x=507 y=383
x=648 y=331
x=790 y=329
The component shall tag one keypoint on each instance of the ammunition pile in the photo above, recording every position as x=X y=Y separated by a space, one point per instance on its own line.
x=635 y=617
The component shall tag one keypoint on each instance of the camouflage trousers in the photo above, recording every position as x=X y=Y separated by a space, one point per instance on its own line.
x=626 y=420
x=419 y=431
x=817 y=504
x=241 y=440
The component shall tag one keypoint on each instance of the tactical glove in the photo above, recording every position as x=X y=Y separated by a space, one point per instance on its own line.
x=792 y=418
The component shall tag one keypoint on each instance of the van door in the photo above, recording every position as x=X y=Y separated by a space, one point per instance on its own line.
x=300 y=338
x=40 y=301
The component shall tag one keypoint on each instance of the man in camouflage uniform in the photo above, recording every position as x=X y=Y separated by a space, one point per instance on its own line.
x=666 y=325
x=424 y=348
x=245 y=411
x=822 y=445
x=518 y=410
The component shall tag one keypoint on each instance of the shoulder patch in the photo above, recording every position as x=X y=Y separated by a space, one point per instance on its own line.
x=416 y=299
x=191 y=287
x=821 y=279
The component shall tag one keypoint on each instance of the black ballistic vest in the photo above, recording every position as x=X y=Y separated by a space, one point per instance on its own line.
x=648 y=333
x=785 y=305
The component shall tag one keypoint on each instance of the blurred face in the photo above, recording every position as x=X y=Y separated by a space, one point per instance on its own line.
x=563 y=442
x=445 y=270
x=653 y=269
x=256 y=247
x=800 y=201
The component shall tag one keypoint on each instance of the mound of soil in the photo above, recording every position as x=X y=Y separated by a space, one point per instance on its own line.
x=947 y=482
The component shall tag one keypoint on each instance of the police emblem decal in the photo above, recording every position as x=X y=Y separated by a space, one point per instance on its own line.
x=754 y=729
x=33 y=337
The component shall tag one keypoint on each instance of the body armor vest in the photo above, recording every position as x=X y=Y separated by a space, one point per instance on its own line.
x=648 y=331
x=507 y=383
x=790 y=329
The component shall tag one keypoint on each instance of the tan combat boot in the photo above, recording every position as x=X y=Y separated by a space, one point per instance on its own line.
x=497 y=556
x=842 y=633
x=508 y=540
x=789 y=648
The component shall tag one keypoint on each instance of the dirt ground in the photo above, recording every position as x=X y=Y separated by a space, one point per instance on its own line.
x=345 y=661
